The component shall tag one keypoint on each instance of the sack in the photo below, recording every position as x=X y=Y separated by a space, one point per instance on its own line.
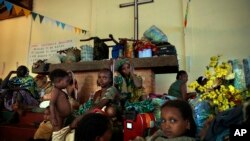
x=155 y=35
x=165 y=49
x=101 y=50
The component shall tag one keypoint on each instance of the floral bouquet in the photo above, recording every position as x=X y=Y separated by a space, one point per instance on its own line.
x=219 y=90
x=145 y=48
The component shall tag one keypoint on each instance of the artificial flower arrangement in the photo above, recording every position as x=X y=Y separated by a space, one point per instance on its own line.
x=218 y=90
x=145 y=47
x=144 y=44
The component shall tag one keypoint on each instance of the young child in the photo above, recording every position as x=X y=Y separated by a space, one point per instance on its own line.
x=60 y=106
x=177 y=119
x=45 y=128
x=177 y=123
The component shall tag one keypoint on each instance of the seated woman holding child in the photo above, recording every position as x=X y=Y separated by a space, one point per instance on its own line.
x=21 y=90
x=107 y=96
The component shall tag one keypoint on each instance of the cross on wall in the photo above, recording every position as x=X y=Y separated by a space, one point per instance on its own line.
x=136 y=3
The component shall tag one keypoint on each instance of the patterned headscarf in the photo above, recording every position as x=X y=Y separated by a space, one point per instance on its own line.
x=121 y=62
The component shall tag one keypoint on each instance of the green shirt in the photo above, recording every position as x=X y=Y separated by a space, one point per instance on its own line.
x=175 y=89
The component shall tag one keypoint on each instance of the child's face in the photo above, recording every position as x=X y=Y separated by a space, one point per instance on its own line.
x=103 y=80
x=173 y=125
x=126 y=69
x=63 y=82
x=46 y=115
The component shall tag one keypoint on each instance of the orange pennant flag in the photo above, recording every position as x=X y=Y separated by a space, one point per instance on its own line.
x=26 y=12
x=76 y=29
x=17 y=9
x=79 y=30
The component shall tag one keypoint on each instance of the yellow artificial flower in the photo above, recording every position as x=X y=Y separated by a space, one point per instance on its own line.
x=221 y=95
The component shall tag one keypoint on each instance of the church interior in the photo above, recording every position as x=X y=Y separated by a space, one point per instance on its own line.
x=159 y=39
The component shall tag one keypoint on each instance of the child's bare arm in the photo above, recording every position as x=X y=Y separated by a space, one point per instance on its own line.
x=53 y=100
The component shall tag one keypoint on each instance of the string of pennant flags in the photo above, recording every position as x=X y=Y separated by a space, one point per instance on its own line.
x=43 y=19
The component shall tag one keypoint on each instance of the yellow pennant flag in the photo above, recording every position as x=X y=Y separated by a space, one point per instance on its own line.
x=17 y=9
x=26 y=12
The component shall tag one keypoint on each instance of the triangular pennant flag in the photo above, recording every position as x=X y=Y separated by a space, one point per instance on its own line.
x=34 y=15
x=17 y=9
x=79 y=30
x=41 y=18
x=8 y=5
x=68 y=27
x=1 y=1
x=26 y=12
x=53 y=22
x=84 y=31
x=75 y=29
x=46 y=20
x=63 y=25
x=57 y=23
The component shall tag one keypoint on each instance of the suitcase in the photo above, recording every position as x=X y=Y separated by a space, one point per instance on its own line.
x=165 y=49
x=141 y=125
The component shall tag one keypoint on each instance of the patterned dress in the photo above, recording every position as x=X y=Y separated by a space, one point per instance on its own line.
x=26 y=83
x=27 y=93
x=128 y=89
x=111 y=94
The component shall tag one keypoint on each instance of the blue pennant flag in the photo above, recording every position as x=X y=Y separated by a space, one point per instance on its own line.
x=33 y=15
x=8 y=5
x=57 y=23
x=63 y=25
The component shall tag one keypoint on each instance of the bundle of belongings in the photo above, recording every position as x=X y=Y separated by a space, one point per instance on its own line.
x=101 y=49
x=157 y=37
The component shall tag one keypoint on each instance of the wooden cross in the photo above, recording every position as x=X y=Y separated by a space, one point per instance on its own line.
x=135 y=4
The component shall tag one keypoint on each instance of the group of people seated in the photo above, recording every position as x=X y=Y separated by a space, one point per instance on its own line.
x=95 y=120
x=22 y=92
